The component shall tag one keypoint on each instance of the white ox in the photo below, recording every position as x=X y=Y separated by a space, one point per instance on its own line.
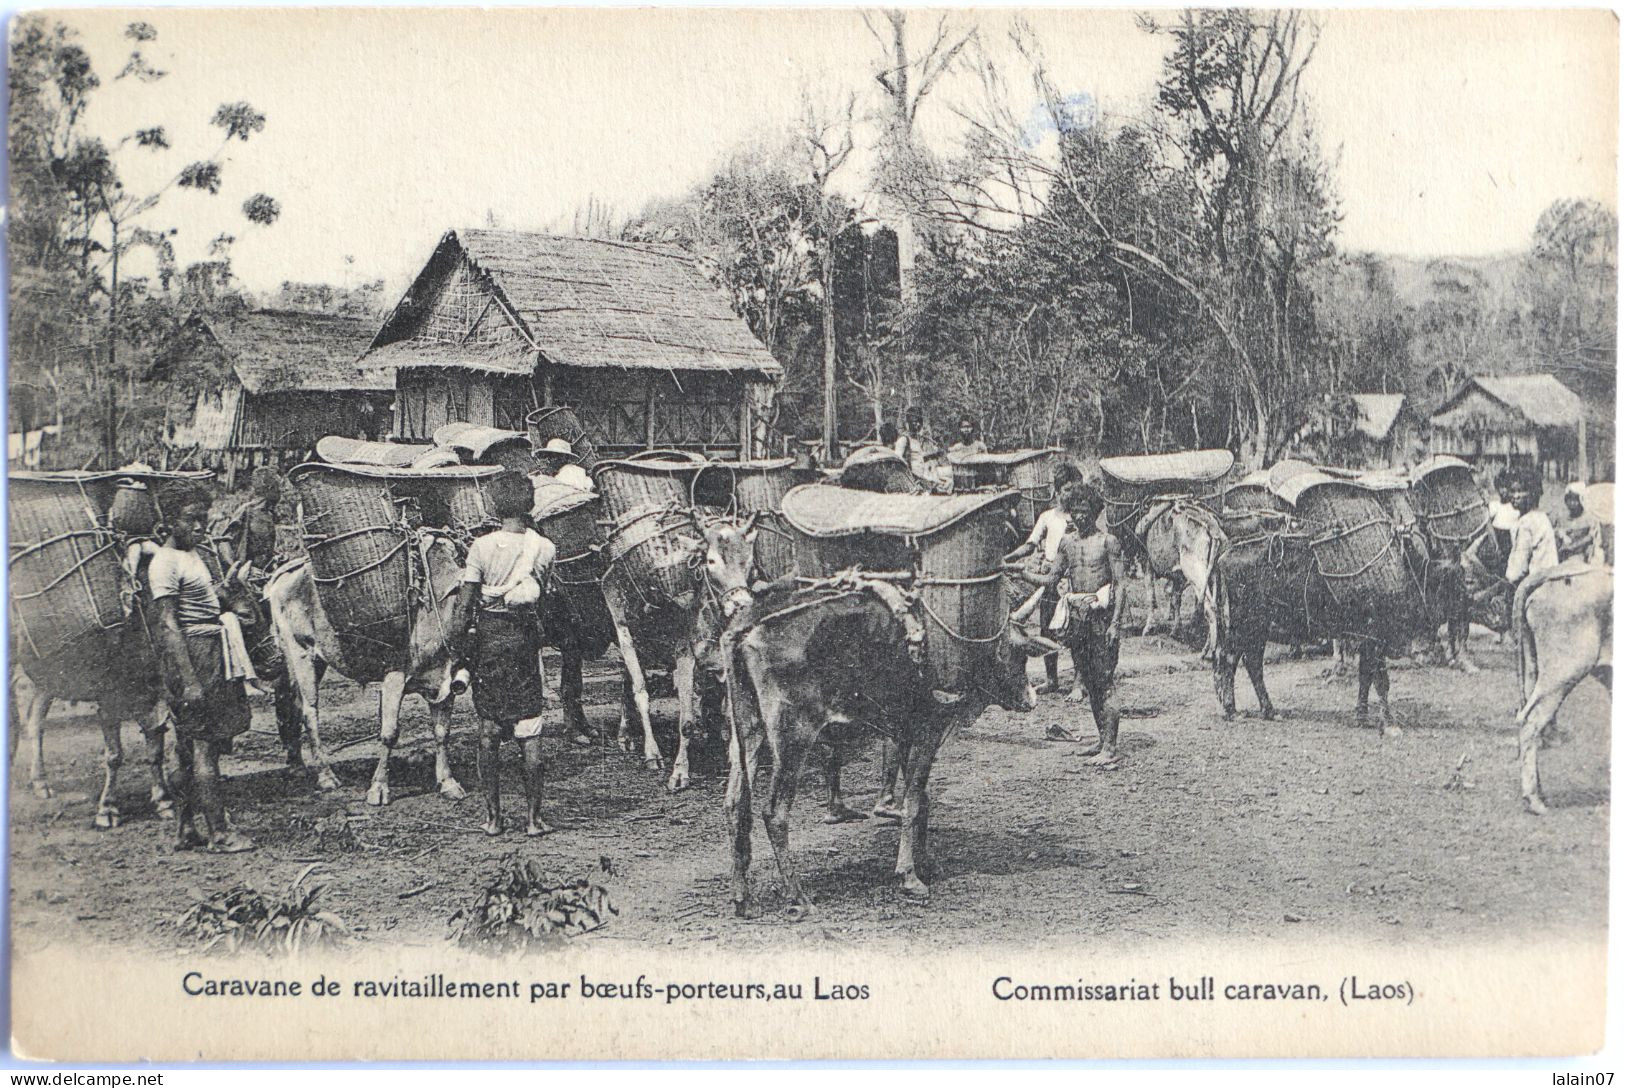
x=423 y=666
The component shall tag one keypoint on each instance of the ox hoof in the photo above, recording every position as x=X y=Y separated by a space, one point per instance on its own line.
x=41 y=790
x=327 y=780
x=107 y=819
x=677 y=782
x=800 y=911
x=165 y=808
x=1533 y=805
x=838 y=813
x=915 y=888
x=653 y=763
x=1392 y=731
x=378 y=795
x=742 y=907
x=1268 y=713
x=452 y=790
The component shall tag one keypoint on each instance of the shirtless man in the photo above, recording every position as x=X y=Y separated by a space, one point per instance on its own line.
x=1049 y=529
x=1091 y=561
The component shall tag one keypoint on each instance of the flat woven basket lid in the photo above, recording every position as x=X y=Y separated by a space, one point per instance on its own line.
x=652 y=464
x=869 y=455
x=1439 y=463
x=1196 y=466
x=820 y=510
x=1256 y=478
x=397 y=472
x=554 y=497
x=335 y=449
x=1388 y=479
x=1006 y=457
x=1296 y=486
x=476 y=440
x=139 y=475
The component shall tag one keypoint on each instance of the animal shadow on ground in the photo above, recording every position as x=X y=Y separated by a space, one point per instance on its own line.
x=1578 y=797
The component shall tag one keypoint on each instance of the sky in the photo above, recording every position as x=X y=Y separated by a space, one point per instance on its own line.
x=1450 y=130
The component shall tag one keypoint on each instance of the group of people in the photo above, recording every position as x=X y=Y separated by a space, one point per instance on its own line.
x=924 y=456
x=1531 y=543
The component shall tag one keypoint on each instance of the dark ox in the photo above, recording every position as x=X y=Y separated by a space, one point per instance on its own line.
x=1265 y=591
x=799 y=663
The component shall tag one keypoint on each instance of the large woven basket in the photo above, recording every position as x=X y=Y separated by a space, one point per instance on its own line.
x=568 y=516
x=1358 y=552
x=1030 y=472
x=561 y=422
x=1129 y=483
x=360 y=557
x=876 y=468
x=66 y=610
x=1451 y=508
x=646 y=503
x=952 y=544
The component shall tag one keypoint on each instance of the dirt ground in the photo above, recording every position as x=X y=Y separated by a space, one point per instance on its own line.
x=1300 y=827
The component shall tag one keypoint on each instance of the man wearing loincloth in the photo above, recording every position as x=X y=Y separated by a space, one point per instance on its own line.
x=499 y=602
x=1090 y=572
x=202 y=668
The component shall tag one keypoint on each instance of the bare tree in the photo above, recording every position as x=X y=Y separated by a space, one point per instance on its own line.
x=825 y=135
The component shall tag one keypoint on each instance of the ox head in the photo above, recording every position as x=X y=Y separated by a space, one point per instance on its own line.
x=726 y=553
x=1010 y=687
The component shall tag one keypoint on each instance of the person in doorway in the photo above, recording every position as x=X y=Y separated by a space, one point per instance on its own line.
x=1581 y=534
x=497 y=612
x=1089 y=616
x=202 y=668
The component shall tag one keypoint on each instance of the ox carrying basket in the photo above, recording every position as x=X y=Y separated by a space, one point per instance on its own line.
x=66 y=579
x=1131 y=484
x=650 y=528
x=1449 y=505
x=950 y=548
x=568 y=516
x=1357 y=550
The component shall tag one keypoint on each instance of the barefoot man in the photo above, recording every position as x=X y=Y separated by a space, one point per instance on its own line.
x=501 y=587
x=1091 y=562
x=207 y=703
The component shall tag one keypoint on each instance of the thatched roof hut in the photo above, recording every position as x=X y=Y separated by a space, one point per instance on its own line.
x=633 y=336
x=290 y=379
x=1529 y=419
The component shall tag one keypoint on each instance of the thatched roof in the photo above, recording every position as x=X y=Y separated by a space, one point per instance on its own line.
x=1540 y=399
x=578 y=302
x=280 y=351
x=1378 y=413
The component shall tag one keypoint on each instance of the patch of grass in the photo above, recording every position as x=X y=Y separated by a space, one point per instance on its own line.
x=522 y=907
x=242 y=918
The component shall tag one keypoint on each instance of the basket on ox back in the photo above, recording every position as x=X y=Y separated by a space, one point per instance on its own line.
x=1131 y=483
x=646 y=503
x=1031 y=472
x=1449 y=505
x=949 y=545
x=1356 y=549
x=65 y=572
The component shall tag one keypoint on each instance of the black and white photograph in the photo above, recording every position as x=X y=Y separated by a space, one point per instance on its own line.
x=1142 y=481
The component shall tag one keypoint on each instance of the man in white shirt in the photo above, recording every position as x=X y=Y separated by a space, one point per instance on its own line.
x=1534 y=543
x=502 y=583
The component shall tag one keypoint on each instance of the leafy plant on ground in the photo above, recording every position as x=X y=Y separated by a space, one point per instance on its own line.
x=324 y=833
x=522 y=906
x=242 y=918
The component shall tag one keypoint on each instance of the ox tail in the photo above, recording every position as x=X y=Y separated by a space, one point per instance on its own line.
x=1528 y=658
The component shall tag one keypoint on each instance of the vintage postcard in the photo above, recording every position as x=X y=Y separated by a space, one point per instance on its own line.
x=471 y=472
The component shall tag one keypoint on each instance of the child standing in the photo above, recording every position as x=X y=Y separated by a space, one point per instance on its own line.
x=501 y=588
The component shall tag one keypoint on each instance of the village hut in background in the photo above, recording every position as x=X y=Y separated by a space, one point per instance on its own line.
x=290 y=379
x=1530 y=419
x=1387 y=433
x=632 y=337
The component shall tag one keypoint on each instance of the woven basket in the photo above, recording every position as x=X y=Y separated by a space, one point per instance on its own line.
x=1359 y=555
x=360 y=557
x=1451 y=508
x=952 y=544
x=338 y=450
x=876 y=468
x=66 y=611
x=1252 y=493
x=562 y=422
x=646 y=503
x=568 y=517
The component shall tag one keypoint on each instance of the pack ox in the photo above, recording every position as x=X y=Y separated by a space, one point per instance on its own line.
x=1263 y=590
x=1564 y=622
x=799 y=662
